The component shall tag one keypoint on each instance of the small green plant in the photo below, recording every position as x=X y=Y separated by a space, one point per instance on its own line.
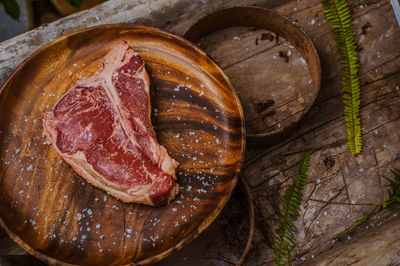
x=12 y=8
x=283 y=237
x=394 y=192
x=338 y=14
x=75 y=3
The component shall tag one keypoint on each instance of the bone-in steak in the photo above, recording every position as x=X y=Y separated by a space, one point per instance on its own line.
x=102 y=128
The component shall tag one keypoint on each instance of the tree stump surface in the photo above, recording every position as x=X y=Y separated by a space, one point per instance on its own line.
x=334 y=174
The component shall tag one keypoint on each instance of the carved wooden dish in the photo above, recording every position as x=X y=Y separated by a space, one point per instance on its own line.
x=271 y=62
x=54 y=214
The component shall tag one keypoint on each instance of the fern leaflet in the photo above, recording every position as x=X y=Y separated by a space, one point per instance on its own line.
x=337 y=12
x=394 y=193
x=283 y=237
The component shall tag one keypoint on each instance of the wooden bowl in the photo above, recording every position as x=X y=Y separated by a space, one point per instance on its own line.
x=234 y=227
x=271 y=62
x=54 y=214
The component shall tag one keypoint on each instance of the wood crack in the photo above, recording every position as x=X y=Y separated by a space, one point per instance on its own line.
x=343 y=178
x=379 y=172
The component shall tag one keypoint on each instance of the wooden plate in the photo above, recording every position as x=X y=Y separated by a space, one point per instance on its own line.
x=54 y=214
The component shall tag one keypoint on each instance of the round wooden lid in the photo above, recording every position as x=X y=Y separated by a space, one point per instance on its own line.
x=271 y=62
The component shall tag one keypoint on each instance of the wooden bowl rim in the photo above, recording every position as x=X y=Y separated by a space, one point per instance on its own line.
x=194 y=33
x=212 y=216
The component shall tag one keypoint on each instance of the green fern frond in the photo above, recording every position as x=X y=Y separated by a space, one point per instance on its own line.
x=337 y=12
x=283 y=237
x=394 y=193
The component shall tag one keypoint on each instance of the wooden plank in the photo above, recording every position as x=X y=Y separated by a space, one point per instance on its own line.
x=335 y=174
x=377 y=246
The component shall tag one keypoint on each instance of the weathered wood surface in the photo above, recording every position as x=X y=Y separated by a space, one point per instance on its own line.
x=334 y=174
x=377 y=246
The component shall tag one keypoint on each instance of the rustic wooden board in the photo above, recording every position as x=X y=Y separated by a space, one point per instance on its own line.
x=334 y=172
x=54 y=214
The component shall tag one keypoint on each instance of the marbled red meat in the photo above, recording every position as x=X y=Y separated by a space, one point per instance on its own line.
x=102 y=128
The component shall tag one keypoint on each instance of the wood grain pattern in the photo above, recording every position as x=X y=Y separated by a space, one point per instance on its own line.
x=258 y=72
x=226 y=241
x=55 y=214
x=267 y=171
x=272 y=63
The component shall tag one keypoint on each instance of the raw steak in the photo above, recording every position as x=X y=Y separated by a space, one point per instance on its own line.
x=102 y=128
